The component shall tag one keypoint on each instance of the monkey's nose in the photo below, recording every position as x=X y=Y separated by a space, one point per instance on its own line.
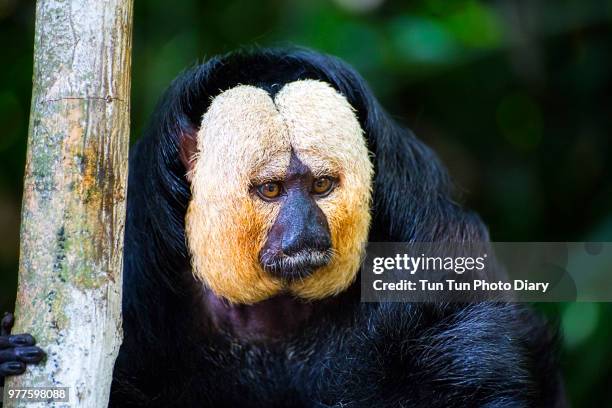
x=295 y=241
x=300 y=253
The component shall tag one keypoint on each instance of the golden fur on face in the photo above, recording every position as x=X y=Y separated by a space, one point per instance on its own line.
x=246 y=138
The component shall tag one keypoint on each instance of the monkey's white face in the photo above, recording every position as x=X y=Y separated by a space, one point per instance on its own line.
x=248 y=144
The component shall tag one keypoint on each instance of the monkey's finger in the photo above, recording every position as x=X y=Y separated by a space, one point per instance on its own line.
x=5 y=342
x=29 y=355
x=8 y=355
x=22 y=340
x=16 y=340
x=12 y=368
x=6 y=324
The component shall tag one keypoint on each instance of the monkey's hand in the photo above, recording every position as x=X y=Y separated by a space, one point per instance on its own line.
x=16 y=350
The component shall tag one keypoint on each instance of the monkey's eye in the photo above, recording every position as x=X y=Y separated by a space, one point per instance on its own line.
x=322 y=186
x=269 y=191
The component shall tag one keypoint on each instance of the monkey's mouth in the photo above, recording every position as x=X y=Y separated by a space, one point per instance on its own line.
x=298 y=265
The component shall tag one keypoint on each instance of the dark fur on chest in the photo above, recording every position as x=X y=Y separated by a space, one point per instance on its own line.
x=376 y=355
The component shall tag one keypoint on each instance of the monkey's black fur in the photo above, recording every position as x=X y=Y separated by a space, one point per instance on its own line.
x=350 y=355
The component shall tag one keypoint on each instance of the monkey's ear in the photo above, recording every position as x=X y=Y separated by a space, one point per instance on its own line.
x=188 y=149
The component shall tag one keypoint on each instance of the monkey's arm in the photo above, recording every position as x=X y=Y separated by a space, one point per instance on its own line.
x=16 y=351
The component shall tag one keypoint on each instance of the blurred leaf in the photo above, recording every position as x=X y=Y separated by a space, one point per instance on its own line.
x=579 y=322
x=475 y=25
x=422 y=40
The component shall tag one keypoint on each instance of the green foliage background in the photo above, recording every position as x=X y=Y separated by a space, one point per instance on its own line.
x=515 y=96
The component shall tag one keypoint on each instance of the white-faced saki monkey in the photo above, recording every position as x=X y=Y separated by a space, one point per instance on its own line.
x=252 y=194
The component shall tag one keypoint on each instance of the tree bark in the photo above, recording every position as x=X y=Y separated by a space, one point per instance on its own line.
x=73 y=213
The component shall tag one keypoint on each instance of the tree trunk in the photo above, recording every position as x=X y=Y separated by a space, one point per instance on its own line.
x=73 y=212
